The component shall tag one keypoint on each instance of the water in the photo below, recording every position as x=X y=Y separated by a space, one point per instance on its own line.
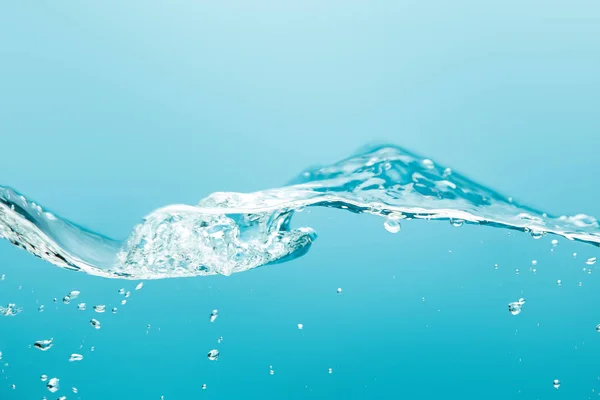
x=196 y=116
x=234 y=232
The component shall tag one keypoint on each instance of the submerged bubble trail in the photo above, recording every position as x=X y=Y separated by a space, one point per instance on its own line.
x=234 y=232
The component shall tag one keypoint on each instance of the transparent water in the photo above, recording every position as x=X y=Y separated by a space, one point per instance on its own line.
x=299 y=288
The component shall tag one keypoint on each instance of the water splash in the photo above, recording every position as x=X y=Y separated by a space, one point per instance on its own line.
x=234 y=232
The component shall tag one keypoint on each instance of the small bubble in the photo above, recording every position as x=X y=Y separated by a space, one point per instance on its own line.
x=100 y=308
x=533 y=262
x=556 y=383
x=95 y=323
x=213 y=355
x=53 y=385
x=580 y=284
x=517 y=271
x=591 y=261
x=14 y=386
x=339 y=290
x=271 y=370
x=127 y=294
x=44 y=345
x=496 y=266
x=75 y=390
x=41 y=308
x=204 y=386
x=392 y=225
x=447 y=172
x=300 y=326
x=121 y=291
x=330 y=370
x=44 y=378
x=123 y=302
x=554 y=242
x=139 y=286
x=74 y=294
x=537 y=234
x=81 y=306
x=114 y=310
x=75 y=357
x=456 y=222
x=427 y=163
x=559 y=282
x=598 y=328
x=516 y=306
x=66 y=299
x=220 y=339
x=574 y=255
x=214 y=315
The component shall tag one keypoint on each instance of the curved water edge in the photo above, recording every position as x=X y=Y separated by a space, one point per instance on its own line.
x=234 y=232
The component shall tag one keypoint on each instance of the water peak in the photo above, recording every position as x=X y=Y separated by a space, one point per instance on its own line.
x=234 y=232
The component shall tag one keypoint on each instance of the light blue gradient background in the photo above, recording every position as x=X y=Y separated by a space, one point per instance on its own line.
x=109 y=110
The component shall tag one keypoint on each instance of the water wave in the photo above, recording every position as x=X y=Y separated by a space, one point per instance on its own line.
x=233 y=232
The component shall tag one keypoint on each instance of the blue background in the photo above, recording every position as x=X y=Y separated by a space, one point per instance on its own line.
x=109 y=110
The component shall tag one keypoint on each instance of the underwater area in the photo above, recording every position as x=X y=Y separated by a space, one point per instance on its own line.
x=299 y=200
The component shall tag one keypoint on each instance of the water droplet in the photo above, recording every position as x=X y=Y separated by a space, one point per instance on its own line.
x=456 y=222
x=100 y=308
x=213 y=355
x=554 y=242
x=591 y=261
x=392 y=225
x=516 y=306
x=95 y=323
x=339 y=290
x=81 y=306
x=574 y=255
x=53 y=385
x=75 y=357
x=556 y=383
x=44 y=378
x=14 y=386
x=66 y=299
x=44 y=345
x=214 y=315
x=114 y=310
x=139 y=286
x=300 y=326
x=559 y=282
